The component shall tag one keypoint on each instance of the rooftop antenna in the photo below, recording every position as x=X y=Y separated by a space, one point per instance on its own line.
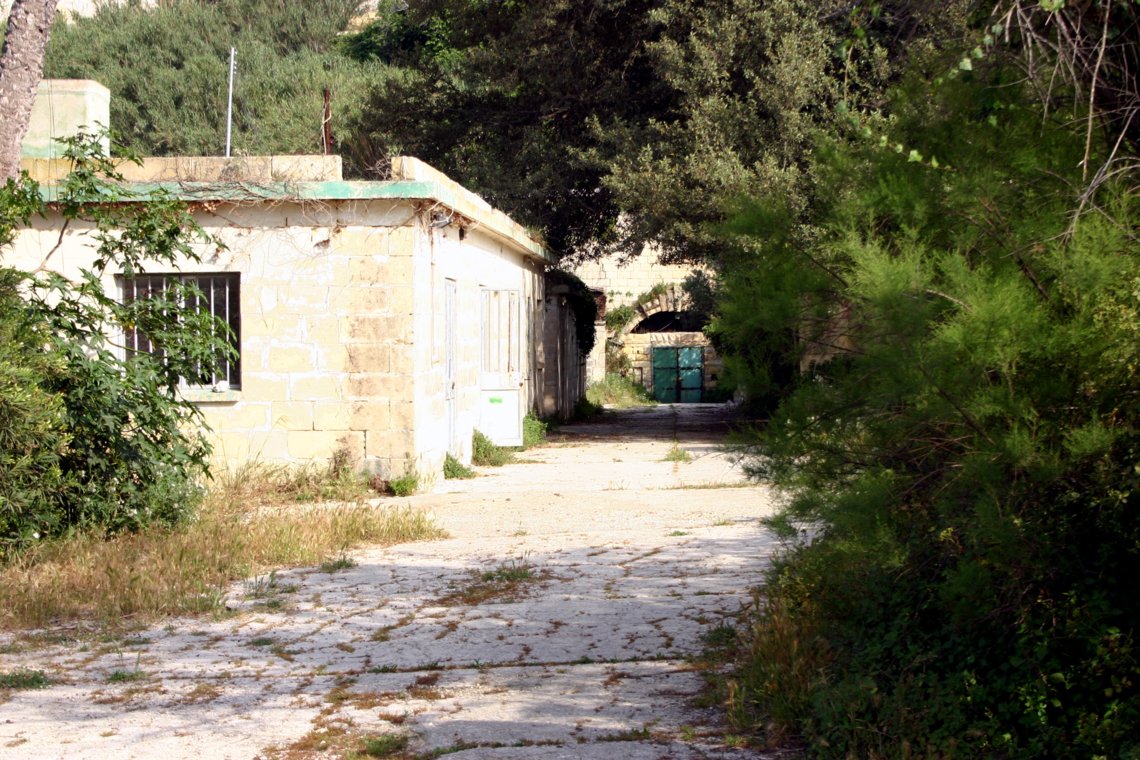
x=230 y=104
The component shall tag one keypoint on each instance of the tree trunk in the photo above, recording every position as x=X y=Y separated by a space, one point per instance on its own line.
x=21 y=67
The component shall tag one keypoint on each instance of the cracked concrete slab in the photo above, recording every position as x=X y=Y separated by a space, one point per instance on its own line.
x=557 y=622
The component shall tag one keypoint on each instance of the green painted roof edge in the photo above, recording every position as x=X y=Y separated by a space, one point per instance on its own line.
x=488 y=218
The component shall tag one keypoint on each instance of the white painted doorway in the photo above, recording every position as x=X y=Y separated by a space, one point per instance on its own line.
x=451 y=363
x=500 y=376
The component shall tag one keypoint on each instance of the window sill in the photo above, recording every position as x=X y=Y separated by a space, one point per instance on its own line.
x=207 y=396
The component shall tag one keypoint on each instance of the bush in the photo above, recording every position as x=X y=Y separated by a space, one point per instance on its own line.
x=534 y=431
x=968 y=469
x=405 y=485
x=484 y=453
x=91 y=439
x=453 y=469
x=618 y=391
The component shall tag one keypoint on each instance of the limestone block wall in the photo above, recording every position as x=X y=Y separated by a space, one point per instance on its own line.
x=327 y=334
x=622 y=282
x=327 y=327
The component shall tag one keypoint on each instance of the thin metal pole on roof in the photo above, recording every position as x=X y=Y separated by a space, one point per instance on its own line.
x=230 y=104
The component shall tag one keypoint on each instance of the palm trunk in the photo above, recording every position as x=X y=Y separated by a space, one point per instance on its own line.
x=21 y=67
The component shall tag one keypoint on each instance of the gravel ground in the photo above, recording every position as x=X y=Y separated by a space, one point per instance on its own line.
x=555 y=623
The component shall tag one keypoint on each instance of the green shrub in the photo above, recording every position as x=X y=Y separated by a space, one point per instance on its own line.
x=23 y=678
x=405 y=485
x=534 y=431
x=91 y=439
x=618 y=391
x=484 y=453
x=618 y=317
x=969 y=468
x=453 y=469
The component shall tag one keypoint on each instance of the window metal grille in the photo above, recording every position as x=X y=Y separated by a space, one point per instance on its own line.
x=220 y=295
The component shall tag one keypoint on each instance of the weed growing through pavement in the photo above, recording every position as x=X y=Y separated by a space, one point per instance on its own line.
x=261 y=587
x=425 y=687
x=629 y=735
x=405 y=485
x=343 y=562
x=24 y=678
x=384 y=745
x=500 y=584
x=679 y=533
x=707 y=486
x=508 y=573
x=125 y=676
x=453 y=469
x=484 y=453
x=385 y=633
x=534 y=431
x=383 y=669
x=677 y=454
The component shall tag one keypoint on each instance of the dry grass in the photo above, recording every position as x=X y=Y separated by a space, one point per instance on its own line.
x=506 y=582
x=282 y=484
x=163 y=572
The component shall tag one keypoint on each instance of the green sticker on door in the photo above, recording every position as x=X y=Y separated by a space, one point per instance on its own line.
x=495 y=400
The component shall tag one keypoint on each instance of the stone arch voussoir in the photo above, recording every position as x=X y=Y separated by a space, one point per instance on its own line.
x=674 y=298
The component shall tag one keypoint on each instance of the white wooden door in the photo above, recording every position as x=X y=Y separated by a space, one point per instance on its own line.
x=451 y=362
x=500 y=376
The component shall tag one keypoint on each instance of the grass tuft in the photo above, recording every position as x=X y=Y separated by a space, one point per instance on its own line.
x=534 y=431
x=23 y=678
x=125 y=676
x=385 y=745
x=405 y=485
x=782 y=662
x=283 y=484
x=677 y=454
x=505 y=582
x=343 y=562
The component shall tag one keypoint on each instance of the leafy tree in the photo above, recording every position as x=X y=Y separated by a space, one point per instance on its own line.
x=501 y=96
x=93 y=438
x=169 y=88
x=967 y=464
x=608 y=124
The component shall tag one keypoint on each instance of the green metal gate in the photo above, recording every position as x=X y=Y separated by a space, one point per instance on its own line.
x=678 y=374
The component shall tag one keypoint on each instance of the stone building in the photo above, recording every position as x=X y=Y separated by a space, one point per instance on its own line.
x=385 y=321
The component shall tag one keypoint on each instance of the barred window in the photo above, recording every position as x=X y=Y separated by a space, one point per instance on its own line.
x=220 y=295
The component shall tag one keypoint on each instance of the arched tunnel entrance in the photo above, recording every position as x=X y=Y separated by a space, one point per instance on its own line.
x=665 y=349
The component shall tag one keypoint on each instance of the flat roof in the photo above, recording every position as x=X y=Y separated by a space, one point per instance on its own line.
x=300 y=179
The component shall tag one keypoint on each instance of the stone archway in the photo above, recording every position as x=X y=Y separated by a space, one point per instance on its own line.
x=673 y=298
x=639 y=348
